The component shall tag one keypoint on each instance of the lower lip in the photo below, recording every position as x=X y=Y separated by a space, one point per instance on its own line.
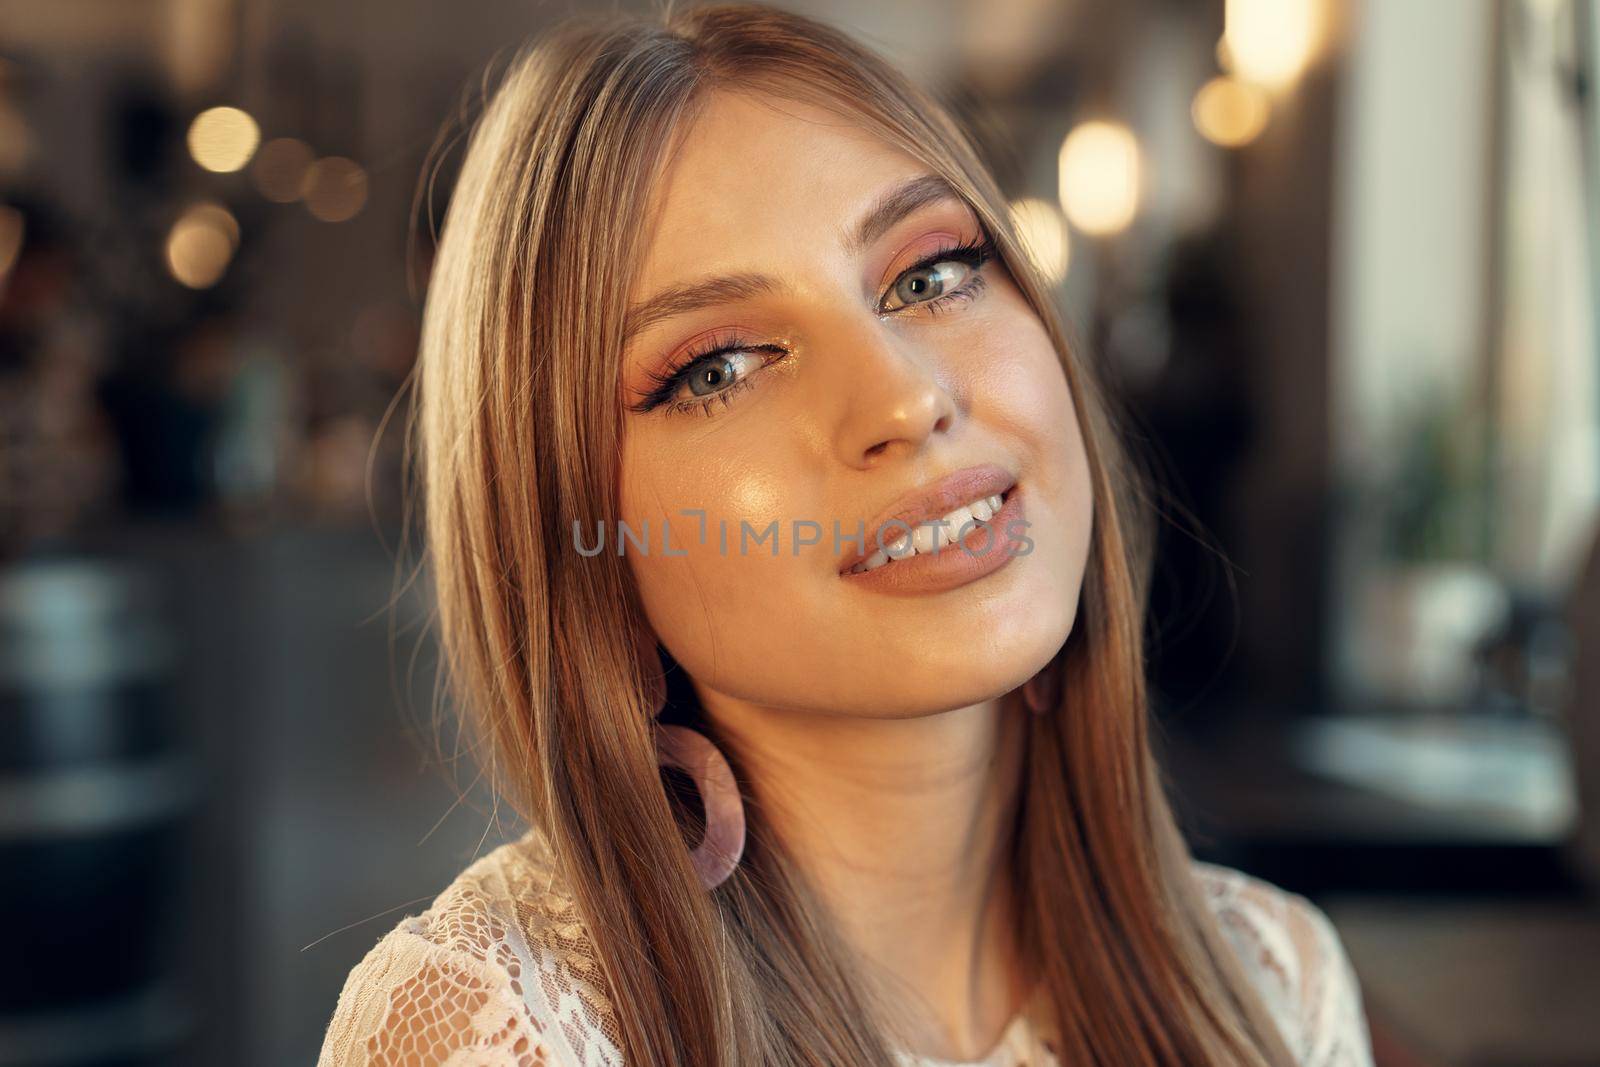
x=983 y=552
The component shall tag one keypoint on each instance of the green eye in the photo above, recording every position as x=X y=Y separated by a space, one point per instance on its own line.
x=948 y=274
x=927 y=283
x=717 y=373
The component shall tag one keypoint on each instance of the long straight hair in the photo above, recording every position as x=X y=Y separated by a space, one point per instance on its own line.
x=517 y=431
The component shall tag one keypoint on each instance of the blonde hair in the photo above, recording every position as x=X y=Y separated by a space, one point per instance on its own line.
x=518 y=426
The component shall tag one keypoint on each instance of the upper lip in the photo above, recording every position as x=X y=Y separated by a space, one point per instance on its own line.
x=932 y=501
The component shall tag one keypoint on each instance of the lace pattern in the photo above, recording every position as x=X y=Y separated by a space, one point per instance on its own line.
x=498 y=973
x=1294 y=956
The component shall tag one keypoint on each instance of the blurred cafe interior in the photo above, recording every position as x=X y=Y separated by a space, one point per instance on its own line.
x=1337 y=259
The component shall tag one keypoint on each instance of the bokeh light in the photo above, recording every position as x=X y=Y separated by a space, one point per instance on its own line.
x=280 y=169
x=17 y=143
x=1224 y=56
x=223 y=139
x=1044 y=232
x=1099 y=174
x=1230 y=112
x=12 y=228
x=334 y=189
x=218 y=218
x=201 y=244
x=1270 y=41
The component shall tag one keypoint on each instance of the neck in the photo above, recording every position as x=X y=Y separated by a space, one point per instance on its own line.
x=904 y=828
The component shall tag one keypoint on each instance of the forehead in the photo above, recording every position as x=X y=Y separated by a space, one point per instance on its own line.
x=753 y=177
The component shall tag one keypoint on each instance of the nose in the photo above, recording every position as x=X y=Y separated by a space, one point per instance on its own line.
x=896 y=395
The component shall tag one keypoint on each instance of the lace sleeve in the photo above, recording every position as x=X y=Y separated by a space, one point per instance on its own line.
x=415 y=1003
x=1292 y=950
x=1330 y=997
x=498 y=972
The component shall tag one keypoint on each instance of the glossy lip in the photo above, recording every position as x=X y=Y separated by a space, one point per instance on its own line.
x=929 y=502
x=986 y=549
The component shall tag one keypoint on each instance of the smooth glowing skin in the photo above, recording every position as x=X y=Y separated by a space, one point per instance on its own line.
x=870 y=723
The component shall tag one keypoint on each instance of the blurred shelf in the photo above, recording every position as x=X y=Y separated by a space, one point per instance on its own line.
x=1382 y=805
x=1509 y=779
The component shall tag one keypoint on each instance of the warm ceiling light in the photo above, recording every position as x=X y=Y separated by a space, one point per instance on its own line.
x=1044 y=233
x=12 y=228
x=1099 y=173
x=223 y=139
x=334 y=189
x=280 y=169
x=1229 y=112
x=217 y=218
x=201 y=244
x=1224 y=57
x=1270 y=41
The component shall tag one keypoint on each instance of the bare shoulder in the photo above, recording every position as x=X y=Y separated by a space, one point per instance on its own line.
x=1293 y=953
x=497 y=971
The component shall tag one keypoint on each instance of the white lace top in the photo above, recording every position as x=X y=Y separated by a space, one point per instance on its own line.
x=498 y=973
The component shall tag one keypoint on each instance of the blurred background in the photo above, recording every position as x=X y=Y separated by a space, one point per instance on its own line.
x=1337 y=257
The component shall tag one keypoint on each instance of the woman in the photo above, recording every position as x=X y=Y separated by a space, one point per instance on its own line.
x=715 y=292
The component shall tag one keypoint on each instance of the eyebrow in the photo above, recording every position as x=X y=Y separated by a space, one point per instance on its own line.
x=887 y=210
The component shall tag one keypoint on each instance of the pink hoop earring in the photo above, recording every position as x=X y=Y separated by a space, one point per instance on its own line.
x=722 y=844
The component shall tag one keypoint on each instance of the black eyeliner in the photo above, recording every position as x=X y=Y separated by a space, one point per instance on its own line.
x=974 y=254
x=667 y=384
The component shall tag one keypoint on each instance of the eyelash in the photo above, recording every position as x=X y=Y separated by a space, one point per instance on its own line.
x=665 y=384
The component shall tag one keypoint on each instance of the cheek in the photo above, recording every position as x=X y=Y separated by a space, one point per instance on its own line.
x=707 y=586
x=1021 y=389
x=1018 y=385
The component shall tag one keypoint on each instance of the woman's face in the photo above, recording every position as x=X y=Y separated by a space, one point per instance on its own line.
x=845 y=381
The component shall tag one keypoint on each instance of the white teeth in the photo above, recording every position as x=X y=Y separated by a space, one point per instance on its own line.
x=953 y=524
x=924 y=538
